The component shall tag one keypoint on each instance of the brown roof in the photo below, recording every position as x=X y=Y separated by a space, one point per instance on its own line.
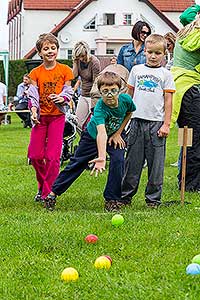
x=14 y=6
x=50 y=4
x=172 y=5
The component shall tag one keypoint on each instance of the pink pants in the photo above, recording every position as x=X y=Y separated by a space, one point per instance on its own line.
x=45 y=149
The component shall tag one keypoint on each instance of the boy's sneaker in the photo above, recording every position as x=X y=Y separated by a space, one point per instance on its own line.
x=111 y=206
x=50 y=202
x=38 y=196
x=153 y=205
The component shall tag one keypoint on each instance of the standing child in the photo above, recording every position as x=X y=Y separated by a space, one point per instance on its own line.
x=152 y=87
x=104 y=133
x=48 y=94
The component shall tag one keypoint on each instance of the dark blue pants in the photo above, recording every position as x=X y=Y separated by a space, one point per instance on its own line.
x=86 y=151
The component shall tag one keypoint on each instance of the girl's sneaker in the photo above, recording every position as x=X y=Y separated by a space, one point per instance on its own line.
x=38 y=196
x=50 y=202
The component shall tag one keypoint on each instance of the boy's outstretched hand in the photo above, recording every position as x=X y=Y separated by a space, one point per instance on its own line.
x=99 y=166
x=117 y=140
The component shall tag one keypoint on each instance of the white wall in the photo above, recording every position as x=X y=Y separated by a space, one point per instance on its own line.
x=36 y=22
x=174 y=17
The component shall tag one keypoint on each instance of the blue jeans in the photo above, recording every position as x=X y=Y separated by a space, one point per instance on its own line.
x=86 y=151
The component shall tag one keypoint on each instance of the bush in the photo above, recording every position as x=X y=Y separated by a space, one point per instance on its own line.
x=17 y=68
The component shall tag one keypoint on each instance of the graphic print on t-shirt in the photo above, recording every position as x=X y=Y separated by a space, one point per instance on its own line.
x=147 y=83
x=113 y=124
x=48 y=89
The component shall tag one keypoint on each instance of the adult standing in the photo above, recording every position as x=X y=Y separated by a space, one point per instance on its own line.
x=86 y=66
x=133 y=53
x=21 y=94
x=3 y=95
x=186 y=73
x=170 y=40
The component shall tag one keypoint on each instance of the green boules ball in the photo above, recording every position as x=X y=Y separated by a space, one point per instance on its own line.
x=117 y=220
x=196 y=259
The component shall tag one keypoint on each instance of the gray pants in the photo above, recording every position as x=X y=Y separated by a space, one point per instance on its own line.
x=144 y=143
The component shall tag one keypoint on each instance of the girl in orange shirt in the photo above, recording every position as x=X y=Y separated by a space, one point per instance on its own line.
x=49 y=91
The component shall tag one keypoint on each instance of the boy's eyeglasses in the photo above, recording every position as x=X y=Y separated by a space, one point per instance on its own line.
x=145 y=32
x=112 y=92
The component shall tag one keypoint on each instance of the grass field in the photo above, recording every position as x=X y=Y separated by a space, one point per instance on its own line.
x=150 y=251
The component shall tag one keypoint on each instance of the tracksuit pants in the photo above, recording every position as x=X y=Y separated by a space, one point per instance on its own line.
x=45 y=149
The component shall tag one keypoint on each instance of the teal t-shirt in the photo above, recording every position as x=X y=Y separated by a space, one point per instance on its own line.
x=111 y=117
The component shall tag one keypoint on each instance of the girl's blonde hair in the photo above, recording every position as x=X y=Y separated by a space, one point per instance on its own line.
x=81 y=48
x=188 y=28
x=171 y=37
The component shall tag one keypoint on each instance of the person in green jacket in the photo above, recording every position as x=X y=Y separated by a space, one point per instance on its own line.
x=186 y=101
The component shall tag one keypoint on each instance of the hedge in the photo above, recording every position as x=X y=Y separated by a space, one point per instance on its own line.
x=17 y=68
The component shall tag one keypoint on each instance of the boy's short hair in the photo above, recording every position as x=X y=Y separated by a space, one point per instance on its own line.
x=156 y=39
x=50 y=37
x=109 y=78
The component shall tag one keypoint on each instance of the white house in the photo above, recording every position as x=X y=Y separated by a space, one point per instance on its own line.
x=104 y=25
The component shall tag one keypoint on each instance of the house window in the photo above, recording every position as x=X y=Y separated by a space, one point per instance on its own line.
x=92 y=51
x=109 y=19
x=69 y=53
x=91 y=25
x=110 y=51
x=127 y=19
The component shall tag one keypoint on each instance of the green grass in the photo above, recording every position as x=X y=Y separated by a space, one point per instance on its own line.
x=150 y=251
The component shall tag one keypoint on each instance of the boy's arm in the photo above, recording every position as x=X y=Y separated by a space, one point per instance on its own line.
x=165 y=128
x=4 y=100
x=100 y=161
x=130 y=90
x=116 y=137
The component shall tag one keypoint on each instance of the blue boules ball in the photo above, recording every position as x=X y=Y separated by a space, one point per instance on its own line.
x=193 y=269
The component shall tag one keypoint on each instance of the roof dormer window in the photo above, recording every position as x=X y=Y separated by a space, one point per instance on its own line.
x=91 y=25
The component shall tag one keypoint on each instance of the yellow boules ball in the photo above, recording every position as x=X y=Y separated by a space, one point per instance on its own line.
x=69 y=274
x=102 y=262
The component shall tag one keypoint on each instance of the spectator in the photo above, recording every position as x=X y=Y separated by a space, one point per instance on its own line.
x=186 y=107
x=170 y=40
x=3 y=95
x=23 y=101
x=86 y=66
x=133 y=54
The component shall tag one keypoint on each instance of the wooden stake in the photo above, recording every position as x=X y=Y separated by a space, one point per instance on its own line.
x=184 y=154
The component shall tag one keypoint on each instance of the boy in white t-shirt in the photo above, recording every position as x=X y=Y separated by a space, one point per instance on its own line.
x=151 y=87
